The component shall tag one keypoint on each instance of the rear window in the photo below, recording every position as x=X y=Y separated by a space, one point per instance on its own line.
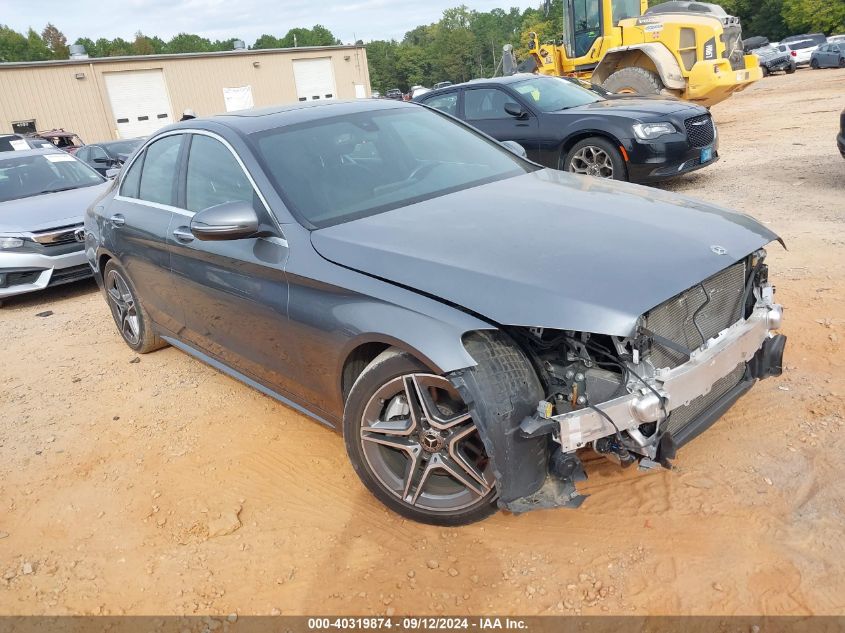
x=802 y=44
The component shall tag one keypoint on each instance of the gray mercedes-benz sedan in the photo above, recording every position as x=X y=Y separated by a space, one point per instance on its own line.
x=43 y=196
x=468 y=319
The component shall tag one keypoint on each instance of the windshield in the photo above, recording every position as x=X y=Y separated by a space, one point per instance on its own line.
x=24 y=176
x=342 y=168
x=551 y=94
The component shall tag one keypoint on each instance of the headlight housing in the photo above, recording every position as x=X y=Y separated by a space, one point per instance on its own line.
x=651 y=131
x=10 y=242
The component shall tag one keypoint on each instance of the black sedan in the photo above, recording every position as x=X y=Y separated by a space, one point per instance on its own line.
x=564 y=126
x=108 y=155
x=468 y=319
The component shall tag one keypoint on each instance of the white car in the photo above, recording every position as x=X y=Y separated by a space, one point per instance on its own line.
x=801 y=51
x=417 y=91
x=836 y=39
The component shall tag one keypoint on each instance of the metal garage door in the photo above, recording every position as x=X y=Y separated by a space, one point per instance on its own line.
x=139 y=102
x=314 y=79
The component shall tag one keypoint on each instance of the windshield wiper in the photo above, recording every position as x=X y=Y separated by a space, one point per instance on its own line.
x=54 y=190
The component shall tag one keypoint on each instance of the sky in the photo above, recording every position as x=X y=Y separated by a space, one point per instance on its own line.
x=222 y=19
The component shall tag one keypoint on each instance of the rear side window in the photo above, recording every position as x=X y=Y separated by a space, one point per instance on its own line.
x=214 y=176
x=158 y=176
x=447 y=103
x=129 y=187
x=485 y=103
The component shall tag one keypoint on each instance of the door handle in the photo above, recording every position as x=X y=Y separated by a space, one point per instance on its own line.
x=183 y=234
x=117 y=220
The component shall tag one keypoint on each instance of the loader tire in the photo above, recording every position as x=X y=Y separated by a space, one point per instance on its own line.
x=633 y=80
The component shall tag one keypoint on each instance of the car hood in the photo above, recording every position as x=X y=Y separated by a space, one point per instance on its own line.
x=48 y=211
x=636 y=107
x=548 y=249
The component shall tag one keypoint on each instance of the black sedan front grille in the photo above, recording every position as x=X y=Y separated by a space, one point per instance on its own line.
x=705 y=309
x=700 y=131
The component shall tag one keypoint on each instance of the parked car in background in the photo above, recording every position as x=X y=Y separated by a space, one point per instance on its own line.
x=394 y=93
x=815 y=38
x=800 y=50
x=564 y=126
x=375 y=94
x=16 y=142
x=469 y=319
x=773 y=60
x=441 y=84
x=828 y=56
x=418 y=91
x=836 y=39
x=840 y=138
x=67 y=141
x=108 y=155
x=43 y=197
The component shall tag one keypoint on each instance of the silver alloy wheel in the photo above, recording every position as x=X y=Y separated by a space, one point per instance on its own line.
x=421 y=443
x=592 y=161
x=123 y=308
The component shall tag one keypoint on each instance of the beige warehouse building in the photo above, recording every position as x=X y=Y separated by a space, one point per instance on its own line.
x=126 y=97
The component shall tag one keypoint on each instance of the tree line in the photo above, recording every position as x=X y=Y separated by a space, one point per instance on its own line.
x=51 y=43
x=463 y=44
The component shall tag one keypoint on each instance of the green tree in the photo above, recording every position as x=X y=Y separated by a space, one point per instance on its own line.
x=267 y=41
x=826 y=16
x=188 y=43
x=36 y=48
x=142 y=45
x=13 y=45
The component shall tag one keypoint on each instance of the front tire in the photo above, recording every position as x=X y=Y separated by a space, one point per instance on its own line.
x=595 y=156
x=633 y=80
x=414 y=445
x=791 y=68
x=132 y=320
x=814 y=64
x=765 y=70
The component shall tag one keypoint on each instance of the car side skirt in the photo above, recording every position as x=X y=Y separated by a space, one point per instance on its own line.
x=267 y=391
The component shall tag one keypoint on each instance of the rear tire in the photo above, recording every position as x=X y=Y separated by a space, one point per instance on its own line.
x=634 y=80
x=132 y=320
x=791 y=68
x=842 y=62
x=595 y=156
x=765 y=71
x=814 y=64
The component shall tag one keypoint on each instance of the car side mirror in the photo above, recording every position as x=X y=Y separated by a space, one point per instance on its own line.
x=112 y=173
x=227 y=221
x=516 y=148
x=515 y=110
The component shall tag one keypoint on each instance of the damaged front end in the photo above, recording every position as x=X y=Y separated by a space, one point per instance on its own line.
x=639 y=398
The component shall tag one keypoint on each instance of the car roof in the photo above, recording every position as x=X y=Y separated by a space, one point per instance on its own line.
x=503 y=81
x=41 y=151
x=259 y=119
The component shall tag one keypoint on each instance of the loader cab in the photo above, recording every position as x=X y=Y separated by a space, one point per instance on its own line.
x=592 y=26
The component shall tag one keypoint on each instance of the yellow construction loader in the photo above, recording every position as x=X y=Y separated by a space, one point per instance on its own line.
x=692 y=50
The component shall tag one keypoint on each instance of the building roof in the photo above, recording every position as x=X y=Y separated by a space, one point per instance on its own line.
x=130 y=58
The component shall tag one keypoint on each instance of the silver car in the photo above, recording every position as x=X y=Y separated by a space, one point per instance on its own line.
x=43 y=197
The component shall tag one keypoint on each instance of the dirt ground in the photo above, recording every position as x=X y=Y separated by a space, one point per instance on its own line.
x=159 y=486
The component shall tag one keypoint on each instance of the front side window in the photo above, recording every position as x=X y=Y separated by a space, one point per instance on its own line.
x=485 y=103
x=158 y=176
x=214 y=176
x=552 y=94
x=447 y=103
x=587 y=25
x=25 y=176
x=321 y=171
